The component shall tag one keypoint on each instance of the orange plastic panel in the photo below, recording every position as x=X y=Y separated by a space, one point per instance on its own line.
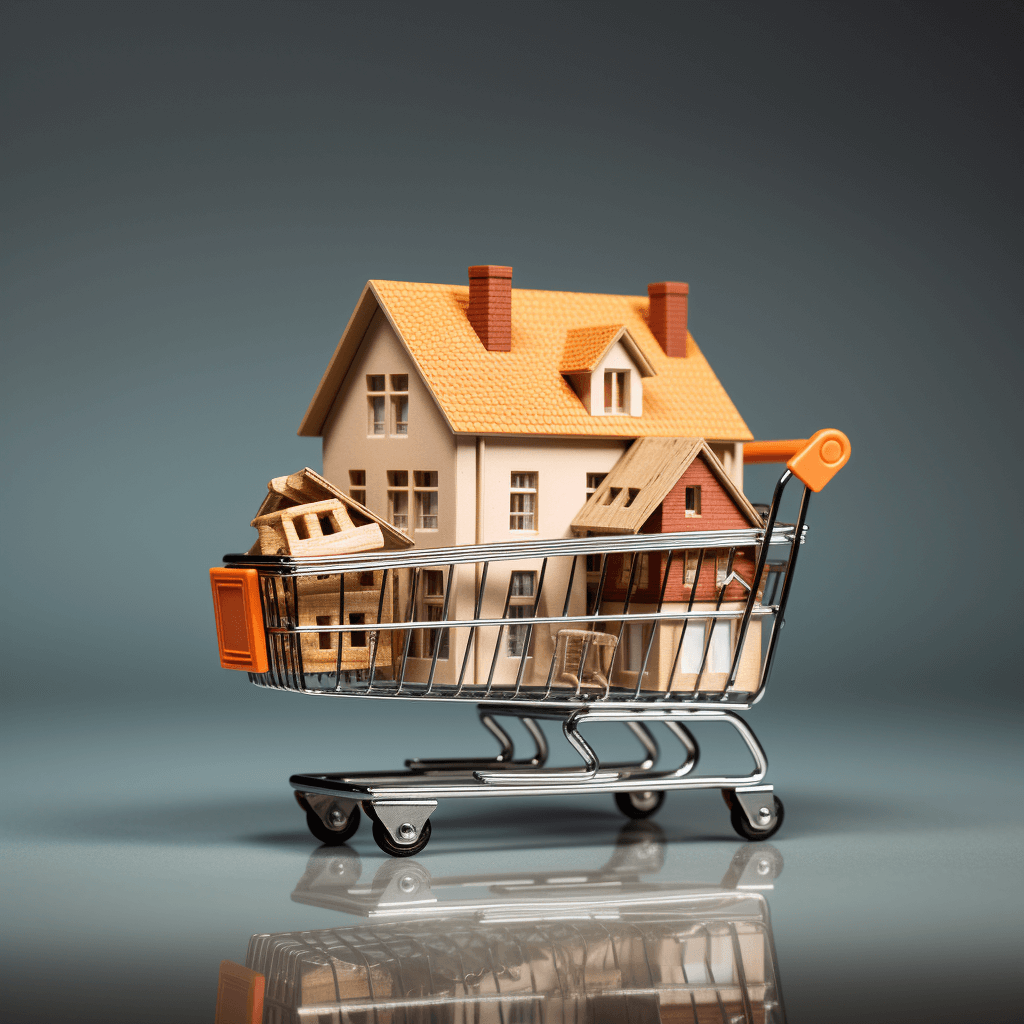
x=771 y=451
x=236 y=606
x=239 y=991
x=821 y=458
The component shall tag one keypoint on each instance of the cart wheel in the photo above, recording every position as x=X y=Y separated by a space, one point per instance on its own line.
x=382 y=837
x=640 y=803
x=330 y=836
x=747 y=831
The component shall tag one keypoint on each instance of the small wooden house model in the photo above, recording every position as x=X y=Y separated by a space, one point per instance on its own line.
x=675 y=485
x=303 y=515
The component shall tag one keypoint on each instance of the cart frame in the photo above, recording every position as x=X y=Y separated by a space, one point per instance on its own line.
x=400 y=803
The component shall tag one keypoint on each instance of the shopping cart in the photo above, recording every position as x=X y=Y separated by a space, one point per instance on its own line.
x=674 y=629
x=616 y=942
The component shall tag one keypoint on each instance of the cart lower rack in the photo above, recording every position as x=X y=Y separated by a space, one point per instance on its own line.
x=647 y=629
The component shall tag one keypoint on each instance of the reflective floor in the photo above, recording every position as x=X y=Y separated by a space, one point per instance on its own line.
x=140 y=854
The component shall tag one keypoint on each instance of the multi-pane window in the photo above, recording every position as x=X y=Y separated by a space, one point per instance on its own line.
x=398 y=498
x=594 y=480
x=433 y=609
x=721 y=568
x=691 y=568
x=383 y=393
x=615 y=382
x=693 y=501
x=375 y=399
x=522 y=593
x=357 y=485
x=426 y=499
x=400 y=403
x=523 y=502
x=639 y=577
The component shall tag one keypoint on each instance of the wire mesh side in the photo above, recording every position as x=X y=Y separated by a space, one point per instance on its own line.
x=666 y=621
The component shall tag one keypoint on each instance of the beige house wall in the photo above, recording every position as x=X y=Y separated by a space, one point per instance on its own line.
x=474 y=489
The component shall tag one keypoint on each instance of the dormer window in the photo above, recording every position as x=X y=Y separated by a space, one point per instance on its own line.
x=606 y=367
x=616 y=392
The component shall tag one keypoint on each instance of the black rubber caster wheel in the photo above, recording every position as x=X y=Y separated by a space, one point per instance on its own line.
x=382 y=837
x=640 y=803
x=747 y=831
x=330 y=836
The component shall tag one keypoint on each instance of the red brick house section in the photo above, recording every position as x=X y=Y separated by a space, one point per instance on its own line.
x=718 y=512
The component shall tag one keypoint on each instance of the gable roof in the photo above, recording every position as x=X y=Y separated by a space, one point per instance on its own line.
x=523 y=391
x=651 y=467
x=585 y=347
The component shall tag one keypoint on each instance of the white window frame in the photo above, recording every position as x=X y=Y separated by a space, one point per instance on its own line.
x=519 y=607
x=398 y=493
x=433 y=609
x=616 y=387
x=386 y=403
x=357 y=485
x=425 y=488
x=523 y=510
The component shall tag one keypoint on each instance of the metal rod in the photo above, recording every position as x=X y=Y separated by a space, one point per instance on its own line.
x=780 y=617
x=497 y=642
x=471 y=639
x=565 y=612
x=408 y=633
x=529 y=630
x=520 y=550
x=762 y=558
x=438 y=639
x=341 y=637
x=689 y=610
x=654 y=626
x=718 y=607
x=374 y=637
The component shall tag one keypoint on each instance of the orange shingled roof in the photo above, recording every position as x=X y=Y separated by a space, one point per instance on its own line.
x=523 y=391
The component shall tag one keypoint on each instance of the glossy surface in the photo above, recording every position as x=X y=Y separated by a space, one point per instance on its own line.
x=129 y=876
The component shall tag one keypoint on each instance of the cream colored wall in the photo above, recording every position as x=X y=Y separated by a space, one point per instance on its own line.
x=662 y=658
x=429 y=445
x=616 y=358
x=730 y=454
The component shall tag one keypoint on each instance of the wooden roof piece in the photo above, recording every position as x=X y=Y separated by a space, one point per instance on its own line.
x=585 y=348
x=643 y=477
x=307 y=486
x=522 y=391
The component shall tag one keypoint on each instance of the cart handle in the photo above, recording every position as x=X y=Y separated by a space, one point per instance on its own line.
x=814 y=460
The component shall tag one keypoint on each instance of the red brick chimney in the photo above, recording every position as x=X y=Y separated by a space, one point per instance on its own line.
x=667 y=317
x=490 y=306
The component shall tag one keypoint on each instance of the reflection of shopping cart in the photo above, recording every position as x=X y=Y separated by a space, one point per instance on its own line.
x=678 y=629
x=611 y=944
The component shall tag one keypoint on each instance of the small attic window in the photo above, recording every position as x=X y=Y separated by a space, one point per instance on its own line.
x=613 y=493
x=693 y=501
x=616 y=394
x=631 y=496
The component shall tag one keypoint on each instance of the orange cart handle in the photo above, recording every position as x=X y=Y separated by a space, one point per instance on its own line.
x=814 y=460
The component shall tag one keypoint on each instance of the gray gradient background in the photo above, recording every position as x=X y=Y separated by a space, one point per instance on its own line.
x=193 y=196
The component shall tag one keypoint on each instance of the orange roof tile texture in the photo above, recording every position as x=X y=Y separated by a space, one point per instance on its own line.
x=524 y=392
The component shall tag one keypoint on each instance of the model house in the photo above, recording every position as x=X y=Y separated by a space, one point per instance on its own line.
x=480 y=413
